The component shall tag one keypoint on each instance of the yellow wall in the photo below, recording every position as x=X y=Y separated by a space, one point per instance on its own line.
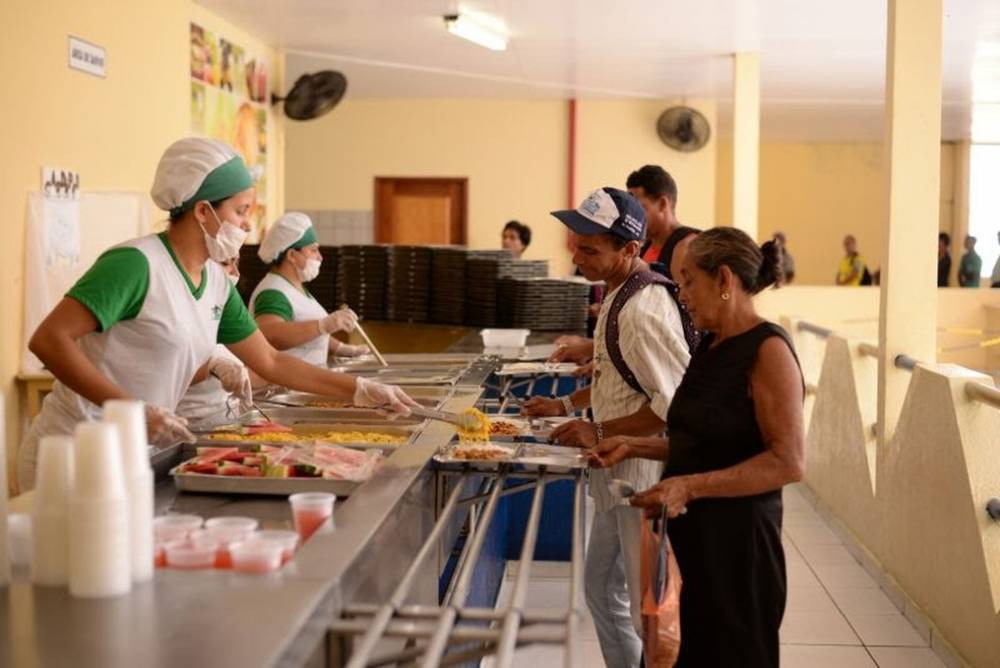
x=111 y=130
x=514 y=153
x=615 y=137
x=818 y=192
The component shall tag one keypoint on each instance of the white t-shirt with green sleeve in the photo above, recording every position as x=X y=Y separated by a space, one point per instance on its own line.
x=274 y=295
x=155 y=328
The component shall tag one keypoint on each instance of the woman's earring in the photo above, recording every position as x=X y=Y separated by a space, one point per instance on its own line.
x=725 y=296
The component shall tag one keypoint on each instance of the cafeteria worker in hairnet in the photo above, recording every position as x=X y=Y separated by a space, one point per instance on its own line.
x=143 y=320
x=289 y=317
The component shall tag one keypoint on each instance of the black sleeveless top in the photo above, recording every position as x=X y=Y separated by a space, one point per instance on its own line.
x=711 y=421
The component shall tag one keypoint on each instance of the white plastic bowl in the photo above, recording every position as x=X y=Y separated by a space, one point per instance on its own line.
x=256 y=557
x=504 y=338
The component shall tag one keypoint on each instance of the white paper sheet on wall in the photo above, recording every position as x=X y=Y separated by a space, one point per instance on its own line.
x=103 y=220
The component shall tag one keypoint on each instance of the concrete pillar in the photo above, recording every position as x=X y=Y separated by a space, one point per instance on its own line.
x=908 y=305
x=746 y=140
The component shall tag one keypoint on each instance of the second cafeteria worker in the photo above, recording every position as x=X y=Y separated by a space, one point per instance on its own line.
x=143 y=320
x=291 y=318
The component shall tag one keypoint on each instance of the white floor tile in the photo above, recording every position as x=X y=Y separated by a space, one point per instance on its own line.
x=817 y=628
x=809 y=599
x=844 y=575
x=862 y=601
x=819 y=553
x=886 y=630
x=798 y=518
x=824 y=656
x=800 y=575
x=813 y=534
x=905 y=657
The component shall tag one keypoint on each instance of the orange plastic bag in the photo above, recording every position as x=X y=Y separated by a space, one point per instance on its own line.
x=661 y=596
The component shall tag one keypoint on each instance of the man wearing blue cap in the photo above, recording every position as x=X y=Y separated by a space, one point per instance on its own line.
x=640 y=358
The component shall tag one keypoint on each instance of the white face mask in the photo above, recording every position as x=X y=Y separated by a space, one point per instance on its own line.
x=310 y=271
x=227 y=241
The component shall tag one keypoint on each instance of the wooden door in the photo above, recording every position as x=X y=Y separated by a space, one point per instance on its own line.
x=420 y=211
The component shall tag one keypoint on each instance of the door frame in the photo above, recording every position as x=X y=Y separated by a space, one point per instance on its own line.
x=383 y=190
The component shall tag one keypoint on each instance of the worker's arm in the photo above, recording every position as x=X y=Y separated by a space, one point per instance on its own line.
x=55 y=343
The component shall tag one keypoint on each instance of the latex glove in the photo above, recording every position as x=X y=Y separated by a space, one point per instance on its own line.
x=341 y=320
x=164 y=428
x=346 y=350
x=371 y=394
x=235 y=379
x=580 y=351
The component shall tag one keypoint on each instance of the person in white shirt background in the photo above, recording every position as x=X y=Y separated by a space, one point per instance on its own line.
x=627 y=397
x=288 y=315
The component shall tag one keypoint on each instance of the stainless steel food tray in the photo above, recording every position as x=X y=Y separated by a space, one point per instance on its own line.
x=431 y=397
x=221 y=484
x=529 y=456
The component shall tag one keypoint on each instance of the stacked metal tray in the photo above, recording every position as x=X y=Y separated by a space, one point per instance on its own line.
x=448 y=267
x=409 y=287
x=325 y=288
x=362 y=272
x=546 y=304
x=485 y=274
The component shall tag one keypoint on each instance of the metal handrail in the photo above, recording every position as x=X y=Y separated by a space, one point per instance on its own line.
x=982 y=392
x=821 y=332
x=869 y=349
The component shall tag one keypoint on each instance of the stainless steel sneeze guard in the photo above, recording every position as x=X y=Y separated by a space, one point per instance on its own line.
x=470 y=632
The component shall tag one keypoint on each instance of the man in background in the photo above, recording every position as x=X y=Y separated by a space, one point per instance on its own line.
x=944 y=259
x=787 y=261
x=666 y=238
x=995 y=276
x=852 y=266
x=516 y=238
x=971 y=265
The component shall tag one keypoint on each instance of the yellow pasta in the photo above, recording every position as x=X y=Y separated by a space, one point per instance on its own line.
x=480 y=433
x=329 y=437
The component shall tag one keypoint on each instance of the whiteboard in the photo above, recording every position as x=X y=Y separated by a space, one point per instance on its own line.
x=106 y=219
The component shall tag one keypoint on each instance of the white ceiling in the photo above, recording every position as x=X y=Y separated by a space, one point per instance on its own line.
x=822 y=63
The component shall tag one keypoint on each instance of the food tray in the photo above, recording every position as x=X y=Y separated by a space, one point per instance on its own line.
x=528 y=455
x=523 y=427
x=431 y=397
x=223 y=484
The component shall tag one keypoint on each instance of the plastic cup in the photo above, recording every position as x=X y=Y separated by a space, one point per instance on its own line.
x=223 y=536
x=175 y=527
x=256 y=556
x=312 y=511
x=245 y=524
x=98 y=469
x=50 y=514
x=289 y=541
x=189 y=555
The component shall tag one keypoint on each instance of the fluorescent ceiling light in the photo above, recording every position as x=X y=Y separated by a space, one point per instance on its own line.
x=476 y=31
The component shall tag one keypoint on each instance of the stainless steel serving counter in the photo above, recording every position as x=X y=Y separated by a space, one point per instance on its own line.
x=217 y=618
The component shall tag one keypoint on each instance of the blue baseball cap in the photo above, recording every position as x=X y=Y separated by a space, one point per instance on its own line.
x=607 y=211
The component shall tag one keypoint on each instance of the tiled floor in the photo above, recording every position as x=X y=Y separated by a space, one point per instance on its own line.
x=837 y=616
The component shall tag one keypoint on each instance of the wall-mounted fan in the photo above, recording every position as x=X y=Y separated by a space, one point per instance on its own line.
x=313 y=95
x=683 y=128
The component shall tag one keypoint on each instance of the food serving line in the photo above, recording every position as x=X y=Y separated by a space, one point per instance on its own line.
x=377 y=572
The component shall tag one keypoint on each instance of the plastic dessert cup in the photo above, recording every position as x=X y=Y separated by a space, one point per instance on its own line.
x=245 y=524
x=170 y=528
x=256 y=556
x=311 y=511
x=289 y=541
x=188 y=555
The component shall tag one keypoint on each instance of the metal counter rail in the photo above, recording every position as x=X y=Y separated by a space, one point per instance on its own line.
x=431 y=630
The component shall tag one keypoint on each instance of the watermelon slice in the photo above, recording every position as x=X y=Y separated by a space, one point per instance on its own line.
x=265 y=426
x=196 y=466
x=234 y=469
x=279 y=471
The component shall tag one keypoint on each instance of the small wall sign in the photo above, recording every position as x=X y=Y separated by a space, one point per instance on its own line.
x=87 y=57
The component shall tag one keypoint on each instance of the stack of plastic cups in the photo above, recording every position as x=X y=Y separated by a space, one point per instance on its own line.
x=130 y=419
x=50 y=515
x=99 y=554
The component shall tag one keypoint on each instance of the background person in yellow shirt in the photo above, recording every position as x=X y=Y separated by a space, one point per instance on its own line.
x=852 y=266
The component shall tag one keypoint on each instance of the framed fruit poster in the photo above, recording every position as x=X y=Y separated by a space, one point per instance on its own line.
x=229 y=102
